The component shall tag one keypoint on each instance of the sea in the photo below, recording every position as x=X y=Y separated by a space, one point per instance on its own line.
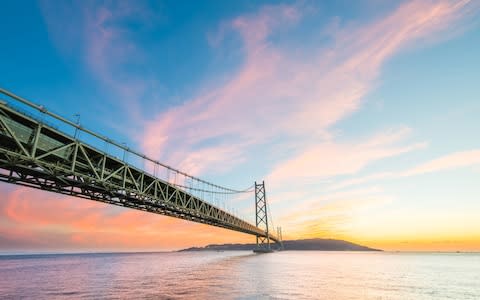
x=241 y=275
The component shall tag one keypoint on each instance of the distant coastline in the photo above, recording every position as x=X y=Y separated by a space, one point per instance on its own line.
x=294 y=245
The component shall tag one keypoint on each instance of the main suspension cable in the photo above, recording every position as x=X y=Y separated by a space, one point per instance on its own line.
x=248 y=190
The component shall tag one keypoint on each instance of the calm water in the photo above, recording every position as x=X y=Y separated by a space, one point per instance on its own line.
x=242 y=275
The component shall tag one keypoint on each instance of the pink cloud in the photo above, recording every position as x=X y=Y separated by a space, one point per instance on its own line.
x=461 y=159
x=447 y=162
x=277 y=93
x=360 y=180
x=330 y=159
x=280 y=94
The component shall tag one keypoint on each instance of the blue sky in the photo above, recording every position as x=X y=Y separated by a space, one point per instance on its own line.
x=361 y=117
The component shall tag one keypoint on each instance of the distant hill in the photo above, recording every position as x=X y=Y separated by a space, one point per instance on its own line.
x=307 y=244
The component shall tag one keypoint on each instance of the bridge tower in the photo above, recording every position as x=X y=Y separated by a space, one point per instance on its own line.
x=280 y=238
x=261 y=217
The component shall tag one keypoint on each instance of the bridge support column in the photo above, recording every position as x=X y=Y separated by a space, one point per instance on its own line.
x=261 y=217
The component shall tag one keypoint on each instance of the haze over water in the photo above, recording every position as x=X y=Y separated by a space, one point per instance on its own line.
x=242 y=275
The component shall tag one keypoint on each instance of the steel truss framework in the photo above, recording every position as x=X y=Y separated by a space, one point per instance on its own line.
x=36 y=155
x=261 y=216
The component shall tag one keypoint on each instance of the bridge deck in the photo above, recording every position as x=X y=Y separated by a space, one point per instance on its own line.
x=38 y=155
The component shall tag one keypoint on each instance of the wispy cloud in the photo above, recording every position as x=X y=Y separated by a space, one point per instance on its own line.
x=331 y=159
x=447 y=162
x=100 y=36
x=289 y=95
x=278 y=94
x=282 y=98
x=461 y=159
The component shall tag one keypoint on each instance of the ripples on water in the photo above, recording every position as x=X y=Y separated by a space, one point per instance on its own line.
x=241 y=275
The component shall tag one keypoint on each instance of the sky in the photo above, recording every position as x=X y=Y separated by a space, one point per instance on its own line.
x=361 y=117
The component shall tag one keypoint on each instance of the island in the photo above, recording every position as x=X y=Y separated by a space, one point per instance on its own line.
x=295 y=245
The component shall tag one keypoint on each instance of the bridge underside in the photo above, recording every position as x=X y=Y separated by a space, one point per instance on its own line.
x=36 y=155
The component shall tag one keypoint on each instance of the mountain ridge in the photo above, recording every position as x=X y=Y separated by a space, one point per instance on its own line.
x=317 y=244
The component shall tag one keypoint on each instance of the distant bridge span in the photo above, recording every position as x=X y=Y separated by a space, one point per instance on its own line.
x=38 y=155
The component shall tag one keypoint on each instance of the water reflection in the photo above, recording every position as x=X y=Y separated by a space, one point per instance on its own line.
x=242 y=275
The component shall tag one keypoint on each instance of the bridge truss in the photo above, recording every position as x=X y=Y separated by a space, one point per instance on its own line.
x=38 y=155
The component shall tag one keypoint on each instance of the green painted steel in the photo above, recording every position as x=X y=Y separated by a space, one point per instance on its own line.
x=38 y=155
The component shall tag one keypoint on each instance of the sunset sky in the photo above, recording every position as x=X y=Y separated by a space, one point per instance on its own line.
x=362 y=117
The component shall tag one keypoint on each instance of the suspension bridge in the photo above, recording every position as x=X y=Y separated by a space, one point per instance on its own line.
x=43 y=150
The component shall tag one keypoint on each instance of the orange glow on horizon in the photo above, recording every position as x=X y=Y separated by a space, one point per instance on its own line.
x=38 y=220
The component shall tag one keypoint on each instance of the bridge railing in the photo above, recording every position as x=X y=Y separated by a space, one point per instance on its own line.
x=68 y=165
x=182 y=180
